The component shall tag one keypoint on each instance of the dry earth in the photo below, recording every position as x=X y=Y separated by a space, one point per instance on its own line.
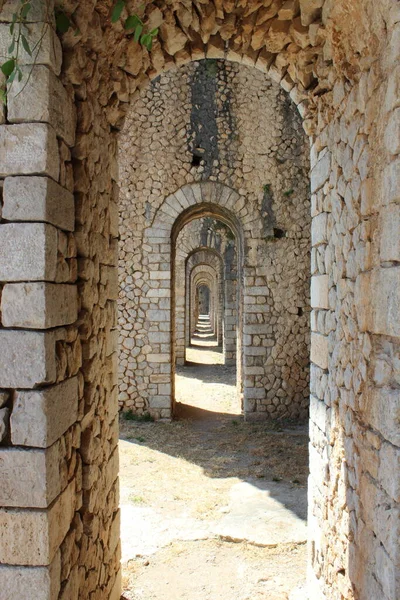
x=212 y=507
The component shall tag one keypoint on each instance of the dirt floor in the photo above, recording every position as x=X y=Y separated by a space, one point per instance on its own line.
x=212 y=507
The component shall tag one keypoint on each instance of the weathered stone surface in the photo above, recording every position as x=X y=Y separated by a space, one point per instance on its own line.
x=28 y=251
x=38 y=199
x=319 y=229
x=386 y=302
x=310 y=10
x=27 y=358
x=38 y=305
x=25 y=583
x=392 y=133
x=40 y=417
x=320 y=291
x=49 y=49
x=32 y=537
x=319 y=350
x=390 y=227
x=321 y=172
x=29 y=148
x=30 y=478
x=382 y=411
x=43 y=99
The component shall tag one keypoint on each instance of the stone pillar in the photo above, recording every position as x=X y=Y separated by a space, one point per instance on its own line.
x=41 y=387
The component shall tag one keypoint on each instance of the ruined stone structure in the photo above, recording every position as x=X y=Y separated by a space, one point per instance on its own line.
x=338 y=63
x=252 y=174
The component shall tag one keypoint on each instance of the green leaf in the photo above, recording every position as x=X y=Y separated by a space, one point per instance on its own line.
x=117 y=10
x=11 y=47
x=25 y=10
x=12 y=76
x=62 y=22
x=8 y=67
x=20 y=75
x=153 y=32
x=147 y=41
x=138 y=31
x=3 y=96
x=132 y=22
x=25 y=45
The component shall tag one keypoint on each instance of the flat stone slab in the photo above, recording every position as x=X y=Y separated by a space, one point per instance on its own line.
x=265 y=513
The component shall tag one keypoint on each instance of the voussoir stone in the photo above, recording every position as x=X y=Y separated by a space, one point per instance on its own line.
x=38 y=199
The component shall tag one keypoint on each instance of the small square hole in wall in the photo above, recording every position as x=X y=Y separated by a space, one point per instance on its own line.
x=197 y=156
x=279 y=233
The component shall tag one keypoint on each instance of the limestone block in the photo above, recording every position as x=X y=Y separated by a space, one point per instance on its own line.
x=310 y=10
x=38 y=305
x=38 y=11
x=319 y=350
x=390 y=239
x=29 y=148
x=50 y=53
x=160 y=402
x=392 y=133
x=161 y=358
x=28 y=252
x=4 y=423
x=382 y=411
x=40 y=417
x=363 y=301
x=386 y=301
x=44 y=100
x=319 y=229
x=38 y=199
x=369 y=202
x=27 y=358
x=32 y=538
x=321 y=172
x=318 y=413
x=26 y=583
x=320 y=291
x=391 y=183
x=29 y=478
x=389 y=470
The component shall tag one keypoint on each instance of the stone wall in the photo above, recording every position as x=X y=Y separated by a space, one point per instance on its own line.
x=251 y=141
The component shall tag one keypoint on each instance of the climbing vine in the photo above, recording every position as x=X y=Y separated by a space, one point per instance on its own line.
x=20 y=38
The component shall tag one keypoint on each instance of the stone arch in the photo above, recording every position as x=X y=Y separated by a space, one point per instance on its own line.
x=186 y=204
x=205 y=274
x=206 y=256
x=188 y=243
